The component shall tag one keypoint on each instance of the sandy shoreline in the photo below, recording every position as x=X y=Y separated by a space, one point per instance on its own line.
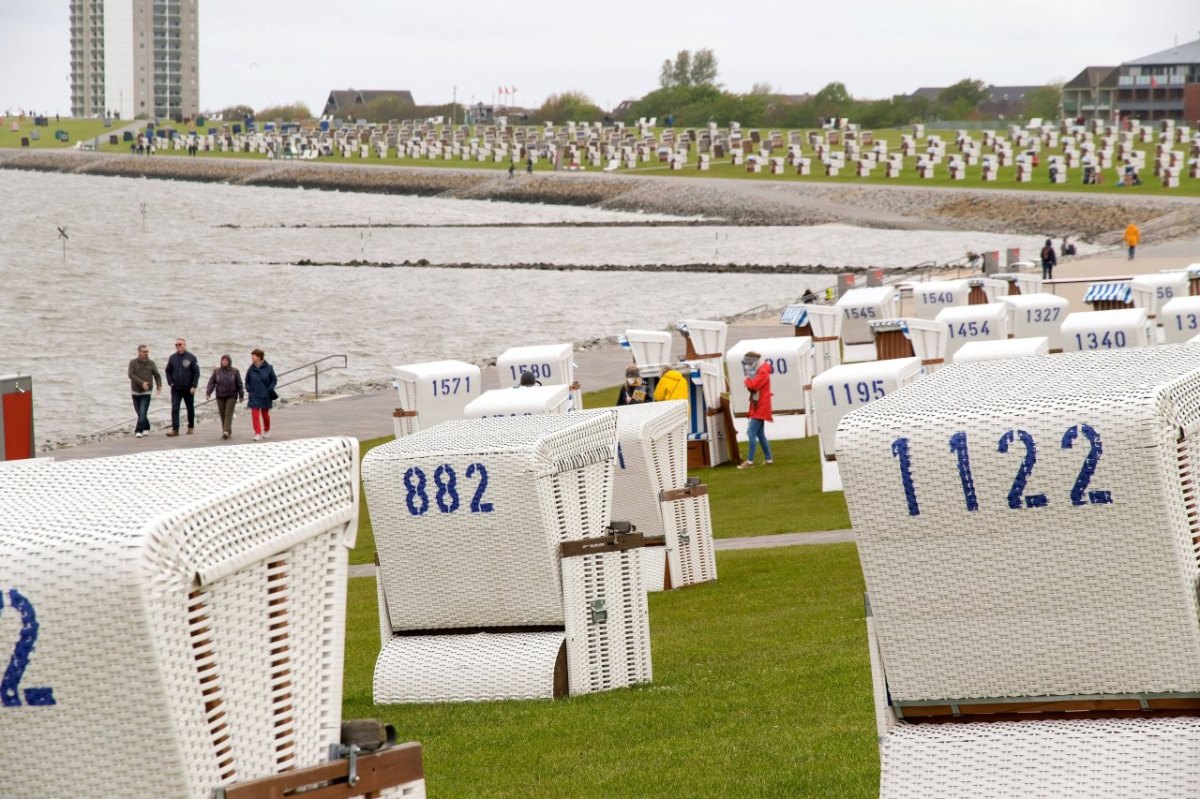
x=1098 y=218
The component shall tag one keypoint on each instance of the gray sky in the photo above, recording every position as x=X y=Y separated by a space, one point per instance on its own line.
x=262 y=53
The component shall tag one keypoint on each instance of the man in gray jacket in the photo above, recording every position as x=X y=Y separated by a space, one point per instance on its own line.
x=183 y=375
x=142 y=373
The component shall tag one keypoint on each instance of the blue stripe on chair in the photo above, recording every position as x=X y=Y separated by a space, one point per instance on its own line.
x=623 y=341
x=1108 y=291
x=794 y=315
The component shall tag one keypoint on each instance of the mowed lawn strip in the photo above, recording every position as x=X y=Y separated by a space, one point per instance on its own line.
x=77 y=130
x=785 y=497
x=761 y=688
x=724 y=168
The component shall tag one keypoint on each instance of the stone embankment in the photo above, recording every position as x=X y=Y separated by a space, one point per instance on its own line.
x=1099 y=217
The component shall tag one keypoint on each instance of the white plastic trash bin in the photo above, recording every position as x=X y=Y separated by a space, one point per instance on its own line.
x=930 y=299
x=975 y=323
x=518 y=402
x=1106 y=330
x=1151 y=291
x=999 y=350
x=708 y=337
x=841 y=389
x=791 y=380
x=1031 y=315
x=179 y=616
x=649 y=347
x=434 y=392
x=1180 y=319
x=863 y=306
x=550 y=365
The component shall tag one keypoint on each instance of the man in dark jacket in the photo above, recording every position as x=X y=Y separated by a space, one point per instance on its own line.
x=183 y=375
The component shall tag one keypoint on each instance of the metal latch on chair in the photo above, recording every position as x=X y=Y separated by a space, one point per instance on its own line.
x=598 y=610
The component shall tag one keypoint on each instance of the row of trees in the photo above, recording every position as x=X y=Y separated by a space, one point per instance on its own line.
x=688 y=95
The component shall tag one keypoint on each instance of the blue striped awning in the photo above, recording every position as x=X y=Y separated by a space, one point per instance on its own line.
x=1108 y=291
x=697 y=418
x=900 y=323
x=794 y=315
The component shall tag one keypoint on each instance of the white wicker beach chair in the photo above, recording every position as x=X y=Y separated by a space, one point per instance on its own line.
x=181 y=617
x=497 y=576
x=708 y=414
x=433 y=392
x=652 y=491
x=1027 y=533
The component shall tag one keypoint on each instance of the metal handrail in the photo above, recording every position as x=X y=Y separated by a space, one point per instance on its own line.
x=316 y=378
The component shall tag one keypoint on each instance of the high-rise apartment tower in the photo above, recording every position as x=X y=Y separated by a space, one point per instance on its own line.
x=135 y=57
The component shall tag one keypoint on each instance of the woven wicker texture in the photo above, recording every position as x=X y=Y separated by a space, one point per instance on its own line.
x=1050 y=759
x=931 y=297
x=1023 y=525
x=1032 y=315
x=548 y=480
x=485 y=555
x=467 y=668
x=184 y=602
x=438 y=391
x=1180 y=319
x=974 y=323
x=518 y=402
x=1119 y=329
x=999 y=350
x=861 y=306
x=652 y=459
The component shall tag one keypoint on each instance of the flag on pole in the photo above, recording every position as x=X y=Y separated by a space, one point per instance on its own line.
x=1153 y=82
x=512 y=89
x=500 y=90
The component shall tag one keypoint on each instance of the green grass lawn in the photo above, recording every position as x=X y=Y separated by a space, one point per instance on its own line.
x=77 y=130
x=761 y=689
x=1188 y=187
x=742 y=502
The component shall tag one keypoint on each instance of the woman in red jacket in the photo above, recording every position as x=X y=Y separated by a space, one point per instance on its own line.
x=758 y=381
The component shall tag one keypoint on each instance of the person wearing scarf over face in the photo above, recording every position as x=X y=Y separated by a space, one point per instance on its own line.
x=634 y=391
x=758 y=382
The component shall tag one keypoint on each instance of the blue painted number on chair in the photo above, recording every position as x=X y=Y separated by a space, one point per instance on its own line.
x=10 y=693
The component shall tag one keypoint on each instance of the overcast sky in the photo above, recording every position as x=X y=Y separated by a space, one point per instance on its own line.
x=262 y=53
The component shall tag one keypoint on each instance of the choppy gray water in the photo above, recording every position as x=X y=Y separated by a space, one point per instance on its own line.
x=214 y=263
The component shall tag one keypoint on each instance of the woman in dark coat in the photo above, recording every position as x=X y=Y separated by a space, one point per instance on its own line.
x=260 y=389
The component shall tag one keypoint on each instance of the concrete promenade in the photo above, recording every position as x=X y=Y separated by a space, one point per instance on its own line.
x=368 y=416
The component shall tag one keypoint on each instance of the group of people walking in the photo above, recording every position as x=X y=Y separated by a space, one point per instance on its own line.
x=183 y=379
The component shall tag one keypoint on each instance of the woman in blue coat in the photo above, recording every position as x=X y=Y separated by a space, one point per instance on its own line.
x=260 y=389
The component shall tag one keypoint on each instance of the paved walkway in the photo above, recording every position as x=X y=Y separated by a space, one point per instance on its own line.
x=366 y=416
x=369 y=415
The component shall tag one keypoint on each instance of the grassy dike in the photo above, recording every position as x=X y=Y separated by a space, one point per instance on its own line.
x=761 y=680
x=1006 y=177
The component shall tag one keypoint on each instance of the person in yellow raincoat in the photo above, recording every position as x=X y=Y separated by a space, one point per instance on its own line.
x=1133 y=237
x=671 y=386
